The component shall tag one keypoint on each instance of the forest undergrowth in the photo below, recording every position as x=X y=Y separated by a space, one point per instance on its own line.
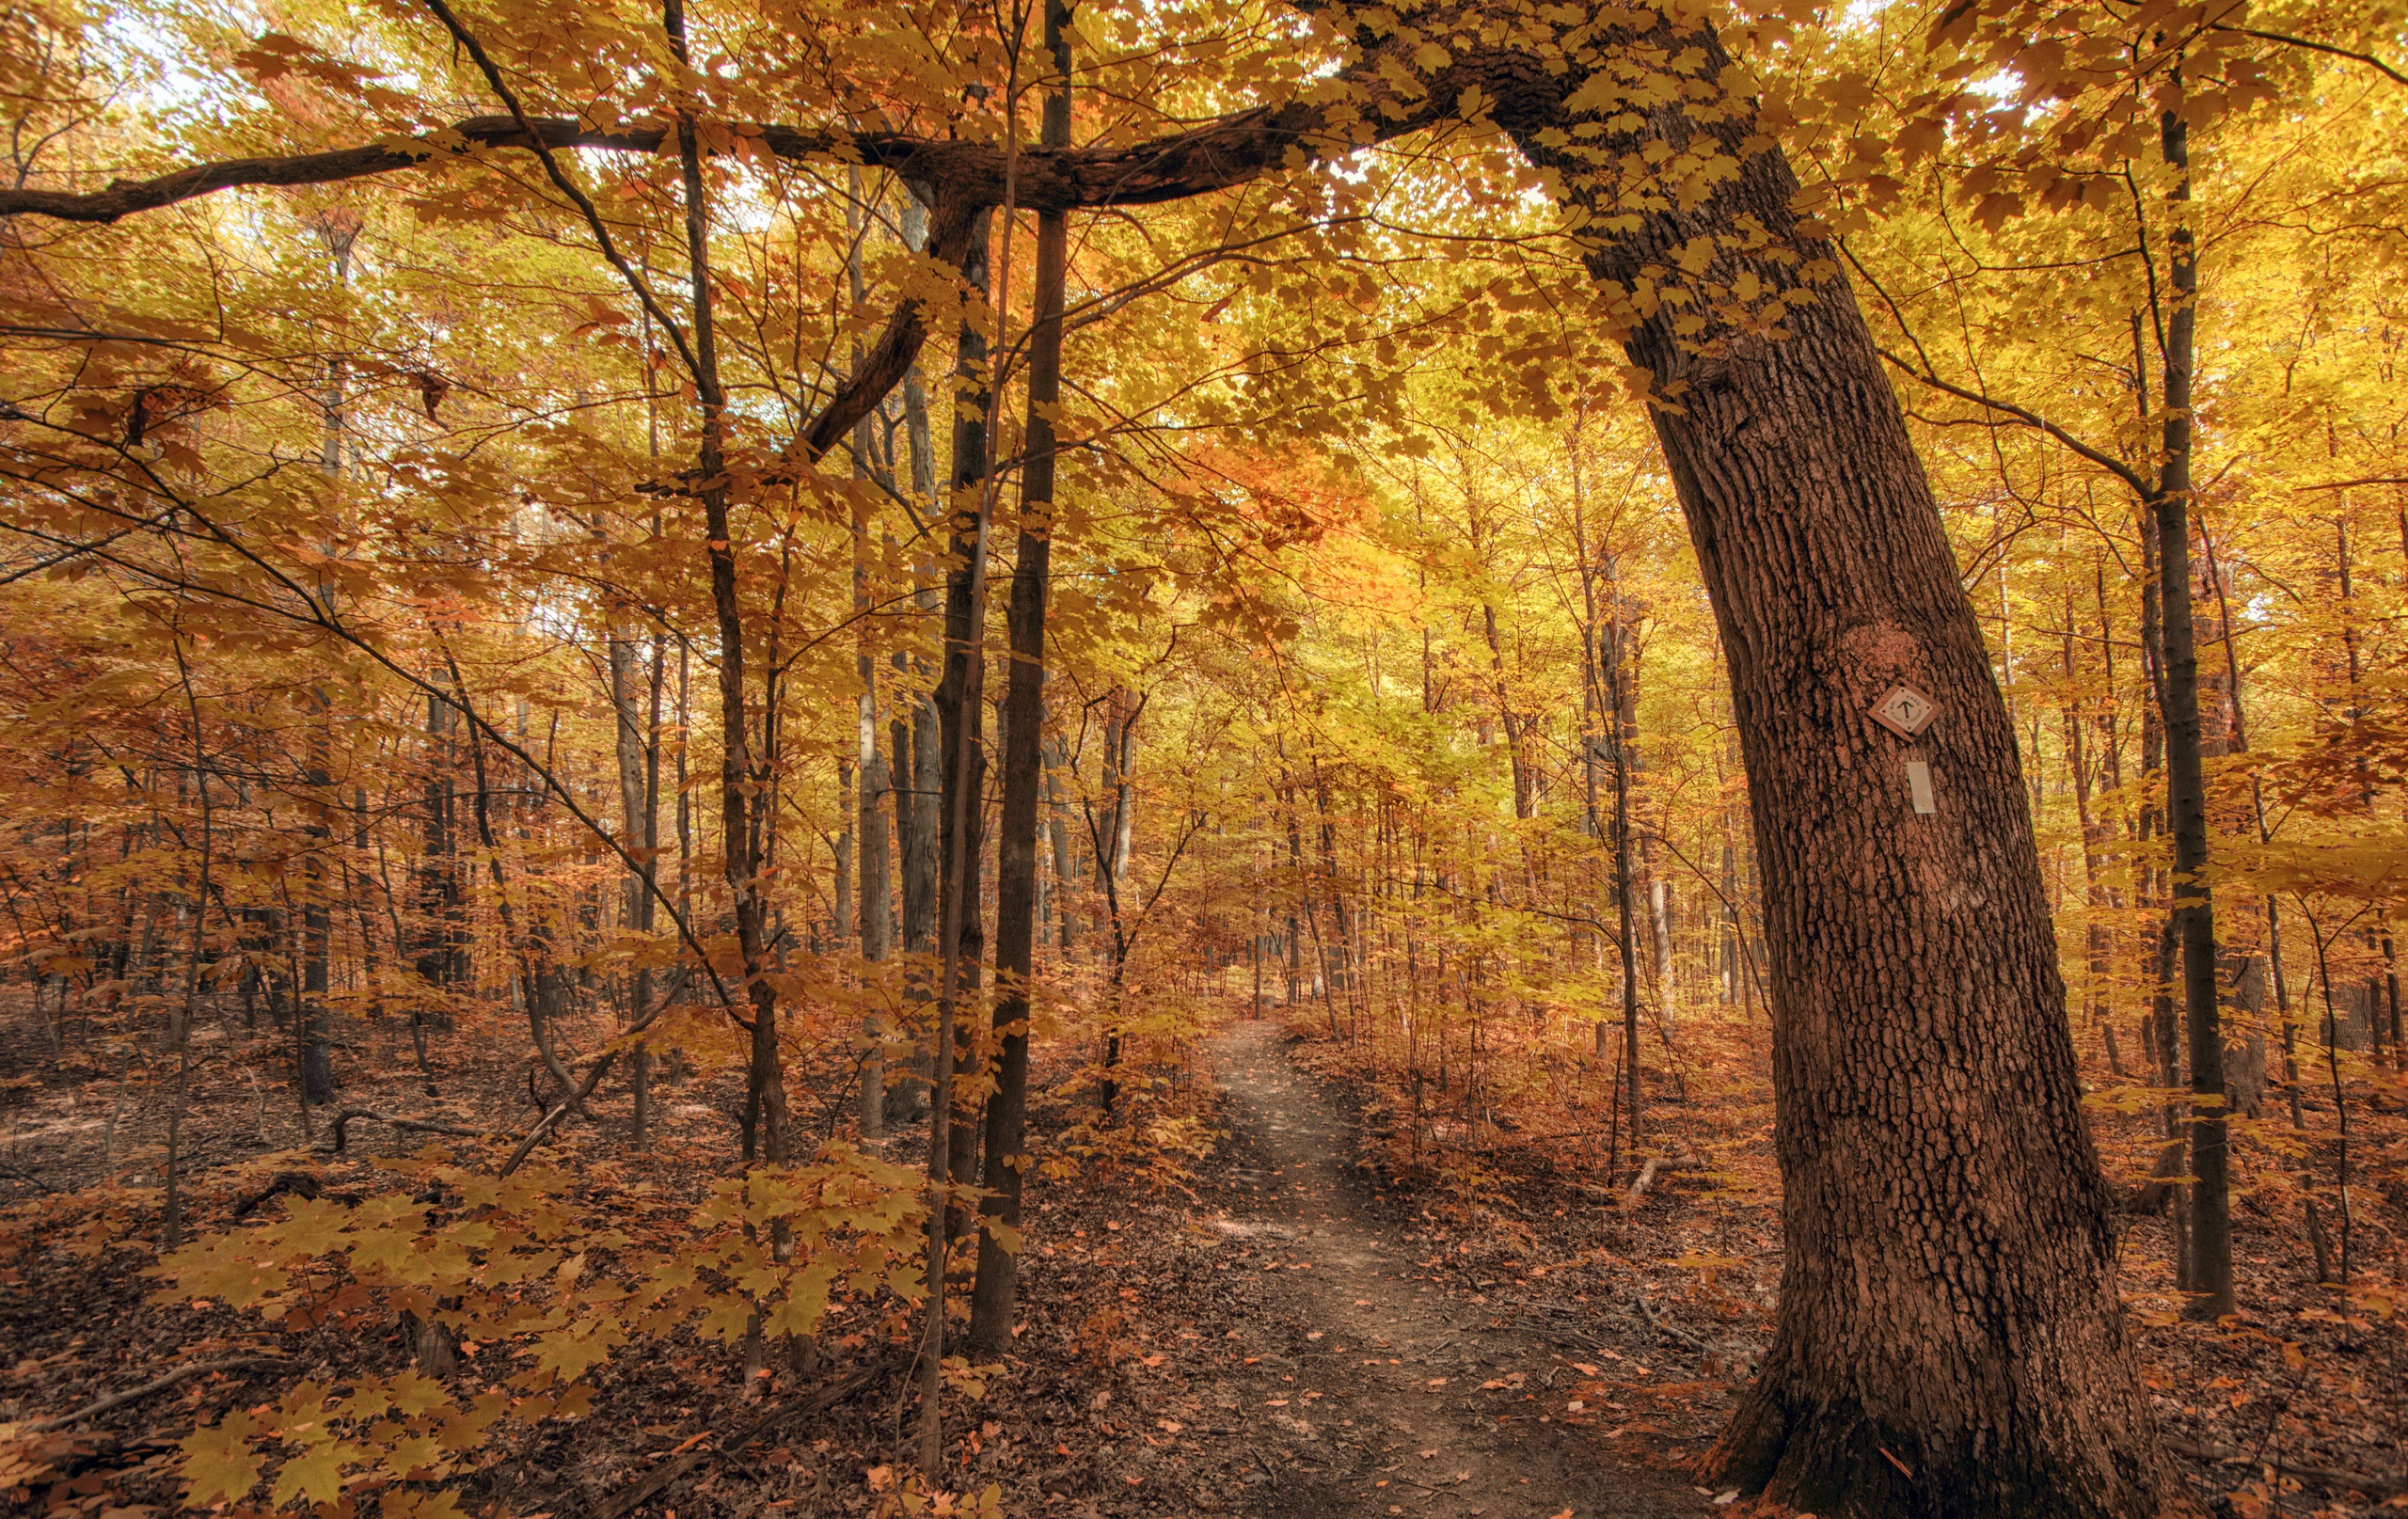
x=1162 y=1337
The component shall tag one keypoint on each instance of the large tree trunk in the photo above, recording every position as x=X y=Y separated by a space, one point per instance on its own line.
x=1949 y=1340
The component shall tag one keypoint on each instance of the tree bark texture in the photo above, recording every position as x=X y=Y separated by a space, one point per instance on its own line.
x=961 y=708
x=1949 y=1339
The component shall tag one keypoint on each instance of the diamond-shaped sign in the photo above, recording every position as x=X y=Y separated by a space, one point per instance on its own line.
x=1905 y=711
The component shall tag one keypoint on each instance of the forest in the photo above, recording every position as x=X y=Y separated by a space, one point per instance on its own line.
x=1576 y=758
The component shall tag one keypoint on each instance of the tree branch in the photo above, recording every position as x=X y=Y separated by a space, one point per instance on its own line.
x=2033 y=420
x=2366 y=58
x=1233 y=151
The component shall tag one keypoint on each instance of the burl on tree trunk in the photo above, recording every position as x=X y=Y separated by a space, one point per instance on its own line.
x=1949 y=1339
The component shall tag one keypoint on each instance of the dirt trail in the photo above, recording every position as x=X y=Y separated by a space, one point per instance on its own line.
x=1403 y=1398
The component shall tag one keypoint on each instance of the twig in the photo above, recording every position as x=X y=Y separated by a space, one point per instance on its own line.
x=1264 y=1461
x=669 y=1471
x=2029 y=418
x=2353 y=1482
x=1673 y=1330
x=2314 y=46
x=592 y=1078
x=119 y=1400
x=26 y=1177
x=342 y=1122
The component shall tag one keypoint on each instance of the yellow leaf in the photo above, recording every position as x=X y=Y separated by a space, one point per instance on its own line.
x=315 y=1474
x=219 y=1462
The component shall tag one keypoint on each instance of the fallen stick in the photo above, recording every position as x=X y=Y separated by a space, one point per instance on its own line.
x=592 y=1078
x=669 y=1471
x=1675 y=1331
x=342 y=1125
x=1657 y=1165
x=2348 y=1481
x=118 y=1400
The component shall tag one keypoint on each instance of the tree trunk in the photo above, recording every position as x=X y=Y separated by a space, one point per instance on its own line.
x=1065 y=868
x=2210 y=1221
x=876 y=891
x=639 y=768
x=1949 y=1339
x=961 y=710
x=1015 y=895
x=1620 y=706
x=739 y=777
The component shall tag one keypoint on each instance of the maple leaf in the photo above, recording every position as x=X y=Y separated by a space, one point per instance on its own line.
x=220 y=1466
x=414 y=1456
x=311 y=1227
x=238 y=1283
x=315 y=1474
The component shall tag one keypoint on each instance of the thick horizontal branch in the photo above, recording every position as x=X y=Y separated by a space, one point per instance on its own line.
x=125 y=197
x=1212 y=156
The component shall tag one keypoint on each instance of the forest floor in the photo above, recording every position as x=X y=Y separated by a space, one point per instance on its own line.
x=1287 y=1313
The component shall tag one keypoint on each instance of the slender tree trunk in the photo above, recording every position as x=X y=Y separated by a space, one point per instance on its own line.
x=962 y=712
x=1621 y=703
x=739 y=839
x=958 y=704
x=1015 y=895
x=2099 y=939
x=1066 y=866
x=916 y=768
x=171 y=1222
x=920 y=776
x=2210 y=1222
x=639 y=772
x=876 y=922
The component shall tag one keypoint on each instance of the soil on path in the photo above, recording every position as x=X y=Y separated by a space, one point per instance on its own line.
x=1393 y=1394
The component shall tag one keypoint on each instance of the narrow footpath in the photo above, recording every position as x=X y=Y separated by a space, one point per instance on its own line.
x=1373 y=1393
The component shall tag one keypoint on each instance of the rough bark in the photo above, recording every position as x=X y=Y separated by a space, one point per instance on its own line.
x=1949 y=1339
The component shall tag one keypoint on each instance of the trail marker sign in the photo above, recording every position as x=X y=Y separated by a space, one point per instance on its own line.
x=1905 y=711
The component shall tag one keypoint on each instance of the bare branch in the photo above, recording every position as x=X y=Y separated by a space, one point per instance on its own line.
x=2108 y=462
